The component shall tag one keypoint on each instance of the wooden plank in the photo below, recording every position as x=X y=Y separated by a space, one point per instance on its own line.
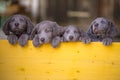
x=70 y=61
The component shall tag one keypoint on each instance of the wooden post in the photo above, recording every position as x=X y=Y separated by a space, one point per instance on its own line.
x=105 y=8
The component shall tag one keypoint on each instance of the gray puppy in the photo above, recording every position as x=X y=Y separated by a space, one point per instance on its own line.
x=103 y=30
x=46 y=32
x=18 y=28
x=73 y=33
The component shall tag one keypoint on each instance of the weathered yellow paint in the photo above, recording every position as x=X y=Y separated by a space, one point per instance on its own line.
x=70 y=61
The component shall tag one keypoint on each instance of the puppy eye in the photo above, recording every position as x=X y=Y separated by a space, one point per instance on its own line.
x=21 y=20
x=12 y=20
x=75 y=32
x=103 y=22
x=47 y=31
x=96 y=25
x=67 y=31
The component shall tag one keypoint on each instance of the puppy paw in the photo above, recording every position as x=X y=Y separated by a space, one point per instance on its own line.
x=23 y=39
x=86 y=40
x=36 y=41
x=107 y=41
x=12 y=39
x=55 y=42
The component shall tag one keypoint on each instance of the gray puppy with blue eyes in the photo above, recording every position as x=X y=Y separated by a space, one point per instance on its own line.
x=73 y=33
x=18 y=29
x=46 y=32
x=102 y=29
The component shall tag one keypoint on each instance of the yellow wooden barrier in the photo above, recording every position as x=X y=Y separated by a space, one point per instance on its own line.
x=70 y=61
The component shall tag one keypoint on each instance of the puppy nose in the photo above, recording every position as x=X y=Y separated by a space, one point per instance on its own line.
x=70 y=37
x=42 y=39
x=96 y=25
x=16 y=24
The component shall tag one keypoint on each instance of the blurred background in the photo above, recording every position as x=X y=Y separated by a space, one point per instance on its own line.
x=64 y=12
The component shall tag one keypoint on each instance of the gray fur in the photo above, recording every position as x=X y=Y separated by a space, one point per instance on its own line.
x=73 y=33
x=46 y=31
x=103 y=30
x=17 y=26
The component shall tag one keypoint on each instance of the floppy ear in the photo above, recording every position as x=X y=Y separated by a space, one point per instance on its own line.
x=60 y=30
x=30 y=25
x=54 y=29
x=112 y=30
x=90 y=31
x=57 y=30
x=6 y=28
x=64 y=29
x=34 y=31
x=82 y=33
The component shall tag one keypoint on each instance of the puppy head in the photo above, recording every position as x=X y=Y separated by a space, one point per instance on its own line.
x=45 y=30
x=102 y=27
x=45 y=33
x=18 y=24
x=71 y=33
x=99 y=26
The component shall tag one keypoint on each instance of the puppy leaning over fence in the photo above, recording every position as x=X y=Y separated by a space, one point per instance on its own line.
x=74 y=33
x=103 y=30
x=46 y=32
x=18 y=28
